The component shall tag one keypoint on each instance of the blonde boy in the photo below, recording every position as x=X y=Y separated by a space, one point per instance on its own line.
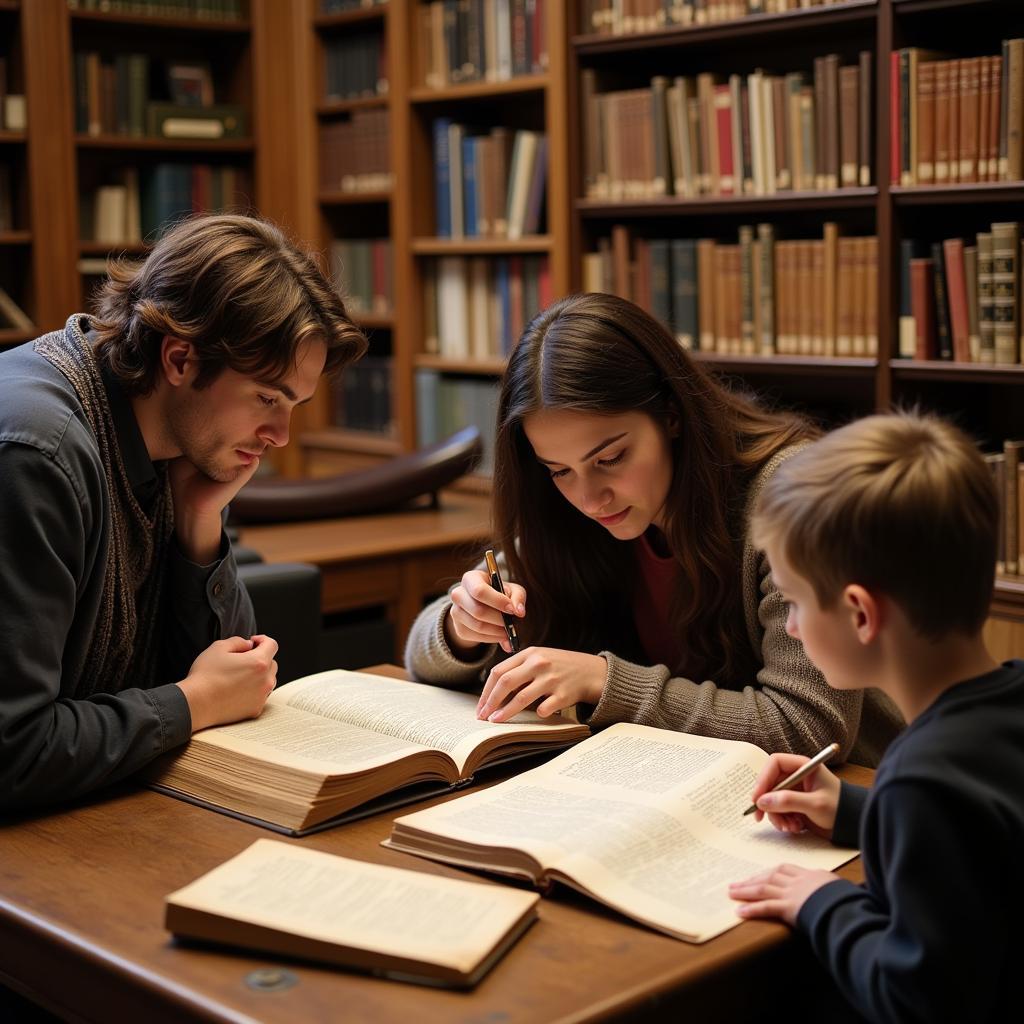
x=882 y=538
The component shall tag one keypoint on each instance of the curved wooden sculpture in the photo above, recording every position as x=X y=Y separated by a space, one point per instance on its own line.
x=387 y=486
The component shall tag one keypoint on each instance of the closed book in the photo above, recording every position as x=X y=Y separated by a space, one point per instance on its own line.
x=971 y=278
x=174 y=121
x=723 y=118
x=684 y=291
x=1012 y=461
x=865 y=119
x=943 y=333
x=470 y=213
x=766 y=296
x=970 y=69
x=1013 y=61
x=661 y=280
x=830 y=279
x=387 y=921
x=986 y=300
x=453 y=307
x=926 y=122
x=748 y=343
x=910 y=248
x=1005 y=256
x=706 y=294
x=942 y=148
x=849 y=110
x=956 y=281
x=922 y=299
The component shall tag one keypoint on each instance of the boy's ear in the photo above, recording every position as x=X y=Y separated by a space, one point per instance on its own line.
x=865 y=611
x=175 y=357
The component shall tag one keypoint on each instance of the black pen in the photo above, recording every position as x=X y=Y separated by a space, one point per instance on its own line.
x=510 y=623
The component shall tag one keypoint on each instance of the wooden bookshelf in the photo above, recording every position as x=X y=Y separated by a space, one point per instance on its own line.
x=406 y=211
x=984 y=398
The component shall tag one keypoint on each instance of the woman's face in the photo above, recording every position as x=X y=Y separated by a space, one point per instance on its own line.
x=616 y=469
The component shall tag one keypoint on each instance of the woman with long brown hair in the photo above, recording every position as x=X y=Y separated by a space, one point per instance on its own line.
x=624 y=479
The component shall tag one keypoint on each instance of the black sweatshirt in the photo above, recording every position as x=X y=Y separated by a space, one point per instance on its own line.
x=936 y=932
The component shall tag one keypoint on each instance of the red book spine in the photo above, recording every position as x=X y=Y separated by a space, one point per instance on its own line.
x=956 y=283
x=723 y=117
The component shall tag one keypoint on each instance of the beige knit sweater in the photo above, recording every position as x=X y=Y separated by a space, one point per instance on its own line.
x=788 y=706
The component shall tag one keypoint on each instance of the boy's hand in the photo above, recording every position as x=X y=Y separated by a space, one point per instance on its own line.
x=779 y=893
x=558 y=679
x=810 y=806
x=475 y=615
x=198 y=504
x=230 y=680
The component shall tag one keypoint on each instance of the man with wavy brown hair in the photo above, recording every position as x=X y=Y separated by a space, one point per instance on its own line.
x=123 y=437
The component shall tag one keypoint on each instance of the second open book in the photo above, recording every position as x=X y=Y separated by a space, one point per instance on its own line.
x=646 y=821
x=343 y=744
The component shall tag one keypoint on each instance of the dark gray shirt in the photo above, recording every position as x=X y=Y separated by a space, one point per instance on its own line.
x=934 y=933
x=56 y=741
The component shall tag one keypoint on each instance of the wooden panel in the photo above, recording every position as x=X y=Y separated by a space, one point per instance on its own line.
x=1005 y=638
x=51 y=161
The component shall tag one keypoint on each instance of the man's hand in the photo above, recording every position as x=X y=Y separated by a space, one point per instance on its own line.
x=198 y=504
x=230 y=680
x=779 y=893
x=557 y=678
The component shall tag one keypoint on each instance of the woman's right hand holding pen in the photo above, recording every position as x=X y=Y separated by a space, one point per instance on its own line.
x=810 y=806
x=475 y=615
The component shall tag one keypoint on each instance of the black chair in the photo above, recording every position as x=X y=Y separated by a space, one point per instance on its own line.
x=286 y=599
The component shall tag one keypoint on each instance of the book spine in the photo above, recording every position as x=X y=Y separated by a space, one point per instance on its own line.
x=953 y=254
x=942 y=331
x=926 y=122
x=1005 y=244
x=986 y=300
x=1011 y=470
x=865 y=120
x=922 y=299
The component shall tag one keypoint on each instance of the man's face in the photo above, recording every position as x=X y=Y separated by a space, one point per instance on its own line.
x=221 y=429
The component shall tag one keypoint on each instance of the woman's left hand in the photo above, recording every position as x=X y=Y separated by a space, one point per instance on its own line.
x=561 y=678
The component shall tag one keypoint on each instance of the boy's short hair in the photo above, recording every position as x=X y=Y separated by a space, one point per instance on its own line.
x=237 y=289
x=901 y=503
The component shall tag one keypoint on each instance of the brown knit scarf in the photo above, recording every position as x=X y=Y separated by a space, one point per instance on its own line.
x=122 y=653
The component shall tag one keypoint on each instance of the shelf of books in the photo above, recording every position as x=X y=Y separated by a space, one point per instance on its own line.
x=163 y=121
x=447 y=255
x=833 y=225
x=16 y=299
x=353 y=62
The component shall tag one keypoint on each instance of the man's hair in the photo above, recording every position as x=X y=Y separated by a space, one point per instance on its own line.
x=903 y=504
x=234 y=287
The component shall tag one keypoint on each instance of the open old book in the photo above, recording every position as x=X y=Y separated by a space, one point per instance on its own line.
x=646 y=821
x=280 y=898
x=335 y=742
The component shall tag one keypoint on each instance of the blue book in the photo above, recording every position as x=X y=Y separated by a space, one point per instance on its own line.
x=469 y=190
x=684 y=291
x=442 y=177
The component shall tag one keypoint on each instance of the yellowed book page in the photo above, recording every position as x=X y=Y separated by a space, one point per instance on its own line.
x=362 y=906
x=426 y=715
x=293 y=738
x=648 y=821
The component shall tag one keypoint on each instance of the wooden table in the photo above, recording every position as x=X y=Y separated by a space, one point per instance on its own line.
x=395 y=559
x=81 y=932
